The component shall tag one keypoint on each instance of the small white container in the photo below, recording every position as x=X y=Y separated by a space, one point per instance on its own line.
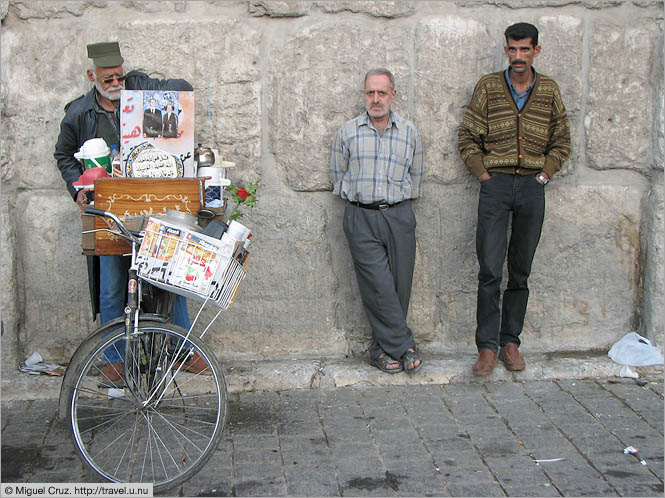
x=214 y=187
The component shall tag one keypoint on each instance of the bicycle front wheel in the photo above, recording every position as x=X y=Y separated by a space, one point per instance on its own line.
x=161 y=423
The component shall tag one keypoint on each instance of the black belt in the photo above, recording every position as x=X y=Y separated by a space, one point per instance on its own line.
x=377 y=206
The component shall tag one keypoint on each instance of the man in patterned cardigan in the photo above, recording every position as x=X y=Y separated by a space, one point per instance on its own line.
x=513 y=138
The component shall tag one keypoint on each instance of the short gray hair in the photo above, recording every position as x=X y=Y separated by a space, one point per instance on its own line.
x=380 y=71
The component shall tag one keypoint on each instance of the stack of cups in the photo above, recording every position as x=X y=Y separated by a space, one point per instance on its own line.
x=233 y=241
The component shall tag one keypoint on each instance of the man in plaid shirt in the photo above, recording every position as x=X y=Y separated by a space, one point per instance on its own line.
x=377 y=166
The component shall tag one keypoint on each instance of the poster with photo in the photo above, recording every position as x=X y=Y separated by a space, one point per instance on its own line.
x=157 y=134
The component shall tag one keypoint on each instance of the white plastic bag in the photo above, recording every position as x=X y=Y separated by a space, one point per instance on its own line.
x=635 y=350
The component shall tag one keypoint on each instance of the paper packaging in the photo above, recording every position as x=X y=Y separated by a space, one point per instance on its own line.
x=238 y=231
x=200 y=261
x=228 y=245
x=156 y=255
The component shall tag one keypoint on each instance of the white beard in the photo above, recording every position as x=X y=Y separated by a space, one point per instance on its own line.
x=112 y=93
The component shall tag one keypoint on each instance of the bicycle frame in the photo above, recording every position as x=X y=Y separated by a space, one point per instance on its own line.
x=132 y=311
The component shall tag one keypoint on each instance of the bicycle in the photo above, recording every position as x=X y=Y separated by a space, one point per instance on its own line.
x=164 y=423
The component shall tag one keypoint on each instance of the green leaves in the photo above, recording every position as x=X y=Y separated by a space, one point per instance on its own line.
x=242 y=196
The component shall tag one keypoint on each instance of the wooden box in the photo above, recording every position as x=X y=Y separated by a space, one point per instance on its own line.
x=135 y=196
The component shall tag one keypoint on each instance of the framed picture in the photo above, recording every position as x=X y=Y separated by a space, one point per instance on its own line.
x=157 y=134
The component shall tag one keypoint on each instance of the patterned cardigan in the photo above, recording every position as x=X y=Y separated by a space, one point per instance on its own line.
x=495 y=136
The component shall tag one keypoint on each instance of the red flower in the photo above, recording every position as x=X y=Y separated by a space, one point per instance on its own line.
x=243 y=194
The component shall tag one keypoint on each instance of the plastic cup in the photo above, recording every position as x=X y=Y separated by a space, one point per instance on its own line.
x=95 y=154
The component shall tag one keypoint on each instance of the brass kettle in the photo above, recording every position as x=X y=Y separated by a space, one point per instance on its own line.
x=203 y=156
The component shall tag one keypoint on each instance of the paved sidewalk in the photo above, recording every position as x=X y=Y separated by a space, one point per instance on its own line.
x=475 y=439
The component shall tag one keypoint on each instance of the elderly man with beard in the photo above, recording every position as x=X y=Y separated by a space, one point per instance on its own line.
x=377 y=166
x=96 y=115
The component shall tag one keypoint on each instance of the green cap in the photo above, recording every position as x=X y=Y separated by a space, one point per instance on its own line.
x=105 y=54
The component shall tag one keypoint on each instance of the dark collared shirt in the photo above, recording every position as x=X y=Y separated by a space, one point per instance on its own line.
x=108 y=124
x=520 y=98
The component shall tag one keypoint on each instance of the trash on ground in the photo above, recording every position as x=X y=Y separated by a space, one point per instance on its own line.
x=643 y=462
x=627 y=372
x=34 y=365
x=547 y=460
x=116 y=393
x=635 y=350
x=629 y=450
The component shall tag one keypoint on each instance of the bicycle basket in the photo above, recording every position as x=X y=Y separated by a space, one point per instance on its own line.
x=191 y=264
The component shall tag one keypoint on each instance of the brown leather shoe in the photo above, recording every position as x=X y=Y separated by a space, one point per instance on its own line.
x=511 y=358
x=113 y=372
x=485 y=363
x=196 y=365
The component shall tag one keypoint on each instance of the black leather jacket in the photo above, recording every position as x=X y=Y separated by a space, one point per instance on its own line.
x=80 y=123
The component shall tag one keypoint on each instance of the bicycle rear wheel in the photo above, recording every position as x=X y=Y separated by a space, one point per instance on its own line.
x=164 y=424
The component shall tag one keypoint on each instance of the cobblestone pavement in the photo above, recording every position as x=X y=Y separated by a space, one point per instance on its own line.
x=478 y=439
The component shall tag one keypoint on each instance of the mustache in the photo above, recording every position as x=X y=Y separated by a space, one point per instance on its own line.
x=517 y=62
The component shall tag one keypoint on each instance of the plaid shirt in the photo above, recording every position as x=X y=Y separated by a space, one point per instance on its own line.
x=368 y=167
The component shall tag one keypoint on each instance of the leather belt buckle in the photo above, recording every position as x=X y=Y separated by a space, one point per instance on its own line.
x=383 y=207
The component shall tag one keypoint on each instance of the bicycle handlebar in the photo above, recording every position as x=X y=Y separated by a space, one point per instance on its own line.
x=96 y=212
x=124 y=231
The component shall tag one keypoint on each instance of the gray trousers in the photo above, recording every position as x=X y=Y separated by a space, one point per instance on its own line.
x=383 y=248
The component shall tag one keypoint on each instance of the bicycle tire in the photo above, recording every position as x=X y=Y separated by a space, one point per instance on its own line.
x=123 y=435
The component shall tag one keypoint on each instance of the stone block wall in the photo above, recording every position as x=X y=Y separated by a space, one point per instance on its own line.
x=273 y=82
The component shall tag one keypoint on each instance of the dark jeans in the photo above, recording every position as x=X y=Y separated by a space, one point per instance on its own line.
x=383 y=247
x=502 y=198
x=113 y=299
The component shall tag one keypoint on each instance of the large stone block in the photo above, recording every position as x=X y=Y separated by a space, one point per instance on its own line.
x=221 y=59
x=622 y=94
x=348 y=315
x=382 y=8
x=54 y=299
x=53 y=10
x=293 y=8
x=653 y=266
x=443 y=49
x=442 y=310
x=584 y=283
x=648 y=3
x=280 y=8
x=315 y=89
x=34 y=101
x=559 y=35
x=11 y=318
x=287 y=302
x=658 y=128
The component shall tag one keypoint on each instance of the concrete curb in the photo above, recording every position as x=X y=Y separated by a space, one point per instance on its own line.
x=282 y=375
